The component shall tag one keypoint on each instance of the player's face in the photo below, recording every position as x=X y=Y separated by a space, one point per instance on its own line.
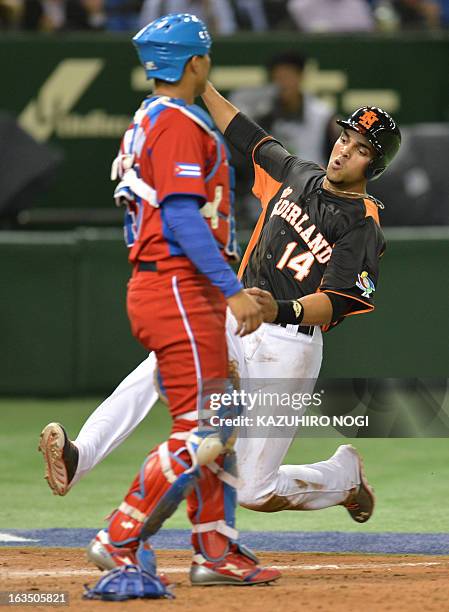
x=349 y=159
x=288 y=81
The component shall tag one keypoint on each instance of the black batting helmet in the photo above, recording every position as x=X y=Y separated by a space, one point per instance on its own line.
x=381 y=131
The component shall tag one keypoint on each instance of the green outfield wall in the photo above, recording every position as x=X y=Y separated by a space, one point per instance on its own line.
x=64 y=330
x=78 y=92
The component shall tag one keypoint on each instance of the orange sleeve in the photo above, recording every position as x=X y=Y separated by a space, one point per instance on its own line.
x=371 y=210
x=252 y=242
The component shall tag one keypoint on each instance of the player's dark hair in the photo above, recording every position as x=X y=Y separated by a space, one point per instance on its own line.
x=296 y=60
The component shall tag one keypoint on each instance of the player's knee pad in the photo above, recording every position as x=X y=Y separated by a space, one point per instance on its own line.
x=216 y=432
x=217 y=484
x=179 y=466
x=211 y=508
x=204 y=446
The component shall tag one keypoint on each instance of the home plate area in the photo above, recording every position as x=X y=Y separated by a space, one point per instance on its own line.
x=314 y=581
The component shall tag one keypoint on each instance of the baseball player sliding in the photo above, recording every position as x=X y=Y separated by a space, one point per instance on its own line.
x=311 y=262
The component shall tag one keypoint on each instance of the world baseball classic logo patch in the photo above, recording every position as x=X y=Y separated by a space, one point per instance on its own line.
x=365 y=284
x=190 y=170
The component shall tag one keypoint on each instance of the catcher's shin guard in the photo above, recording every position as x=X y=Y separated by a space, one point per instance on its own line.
x=211 y=508
x=171 y=473
x=219 y=559
x=155 y=494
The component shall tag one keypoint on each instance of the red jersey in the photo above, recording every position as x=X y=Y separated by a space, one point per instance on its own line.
x=172 y=149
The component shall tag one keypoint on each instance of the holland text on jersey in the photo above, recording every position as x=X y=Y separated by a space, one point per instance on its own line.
x=293 y=214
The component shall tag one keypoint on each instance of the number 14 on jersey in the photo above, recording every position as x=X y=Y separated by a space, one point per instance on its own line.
x=300 y=264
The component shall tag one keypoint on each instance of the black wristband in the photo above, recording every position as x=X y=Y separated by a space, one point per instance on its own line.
x=290 y=312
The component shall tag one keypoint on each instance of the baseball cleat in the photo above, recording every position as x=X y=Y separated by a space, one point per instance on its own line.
x=360 y=501
x=235 y=569
x=60 y=456
x=106 y=556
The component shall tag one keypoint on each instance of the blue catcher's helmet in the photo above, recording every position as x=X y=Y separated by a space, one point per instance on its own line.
x=166 y=44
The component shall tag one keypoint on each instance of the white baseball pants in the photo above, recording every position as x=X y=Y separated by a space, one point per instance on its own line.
x=269 y=354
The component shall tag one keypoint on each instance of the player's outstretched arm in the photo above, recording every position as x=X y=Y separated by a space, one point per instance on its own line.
x=243 y=133
x=222 y=111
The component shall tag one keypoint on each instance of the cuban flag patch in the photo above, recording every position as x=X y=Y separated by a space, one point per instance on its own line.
x=190 y=170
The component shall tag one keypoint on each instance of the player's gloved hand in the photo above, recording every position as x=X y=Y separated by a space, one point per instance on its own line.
x=247 y=312
x=266 y=301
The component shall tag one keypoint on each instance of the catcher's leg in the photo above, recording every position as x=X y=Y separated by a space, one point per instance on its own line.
x=106 y=428
x=165 y=479
x=155 y=493
x=218 y=557
x=187 y=333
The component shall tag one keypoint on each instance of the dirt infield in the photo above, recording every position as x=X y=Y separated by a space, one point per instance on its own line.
x=310 y=581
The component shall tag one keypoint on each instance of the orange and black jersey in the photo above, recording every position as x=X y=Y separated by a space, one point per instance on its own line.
x=307 y=239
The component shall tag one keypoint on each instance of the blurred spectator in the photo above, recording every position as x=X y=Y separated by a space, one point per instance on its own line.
x=411 y=14
x=444 y=14
x=227 y=16
x=418 y=14
x=302 y=122
x=331 y=15
x=47 y=15
x=123 y=15
x=86 y=15
x=57 y=15
x=218 y=14
x=277 y=15
x=10 y=12
x=251 y=15
x=387 y=19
